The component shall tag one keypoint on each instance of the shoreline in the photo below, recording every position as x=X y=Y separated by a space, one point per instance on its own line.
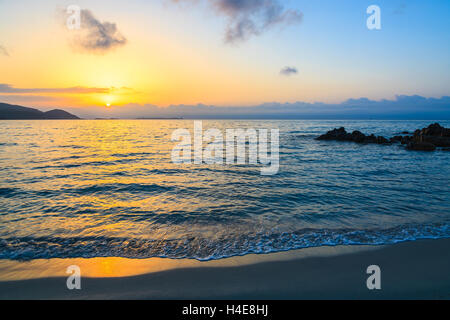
x=409 y=270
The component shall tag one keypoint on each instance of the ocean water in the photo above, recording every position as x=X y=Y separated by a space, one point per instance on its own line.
x=108 y=188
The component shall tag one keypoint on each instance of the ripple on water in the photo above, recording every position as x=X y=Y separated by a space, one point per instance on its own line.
x=98 y=189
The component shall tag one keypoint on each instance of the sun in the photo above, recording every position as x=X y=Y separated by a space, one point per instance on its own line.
x=108 y=100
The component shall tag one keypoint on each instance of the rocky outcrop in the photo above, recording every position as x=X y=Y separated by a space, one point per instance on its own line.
x=421 y=146
x=434 y=134
x=400 y=139
x=356 y=136
x=426 y=139
x=435 y=130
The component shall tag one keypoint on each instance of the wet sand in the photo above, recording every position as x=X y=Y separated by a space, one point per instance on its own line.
x=410 y=270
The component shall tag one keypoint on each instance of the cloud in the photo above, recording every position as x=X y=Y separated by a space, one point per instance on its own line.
x=6 y=88
x=253 y=17
x=247 y=18
x=287 y=71
x=95 y=36
x=25 y=98
x=3 y=51
x=402 y=107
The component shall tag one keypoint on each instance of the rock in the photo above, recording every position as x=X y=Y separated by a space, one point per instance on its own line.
x=382 y=140
x=371 y=139
x=401 y=139
x=396 y=139
x=421 y=146
x=356 y=136
x=443 y=142
x=406 y=139
x=336 y=134
x=446 y=132
x=426 y=139
x=434 y=134
x=434 y=129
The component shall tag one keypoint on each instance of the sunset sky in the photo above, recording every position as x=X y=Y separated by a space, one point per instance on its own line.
x=220 y=52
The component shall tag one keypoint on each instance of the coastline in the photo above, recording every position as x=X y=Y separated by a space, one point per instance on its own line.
x=409 y=270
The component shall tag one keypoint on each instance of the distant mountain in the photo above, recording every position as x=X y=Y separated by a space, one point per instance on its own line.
x=59 y=114
x=13 y=112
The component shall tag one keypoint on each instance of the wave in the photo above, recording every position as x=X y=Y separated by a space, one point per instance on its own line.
x=203 y=249
x=88 y=190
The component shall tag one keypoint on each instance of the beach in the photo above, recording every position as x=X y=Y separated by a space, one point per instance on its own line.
x=409 y=270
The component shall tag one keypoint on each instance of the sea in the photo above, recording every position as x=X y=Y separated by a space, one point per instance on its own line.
x=109 y=188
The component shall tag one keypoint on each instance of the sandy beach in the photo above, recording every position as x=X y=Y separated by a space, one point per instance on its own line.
x=409 y=270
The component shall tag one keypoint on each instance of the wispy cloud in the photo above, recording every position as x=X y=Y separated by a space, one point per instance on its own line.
x=3 y=51
x=253 y=17
x=25 y=98
x=288 y=71
x=95 y=36
x=247 y=18
x=100 y=36
x=6 y=88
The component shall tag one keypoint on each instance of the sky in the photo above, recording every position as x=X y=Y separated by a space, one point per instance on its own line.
x=225 y=53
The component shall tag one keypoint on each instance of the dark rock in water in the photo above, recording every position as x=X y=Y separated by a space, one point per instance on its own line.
x=426 y=139
x=436 y=130
x=396 y=139
x=400 y=139
x=437 y=141
x=382 y=140
x=406 y=139
x=336 y=134
x=356 y=136
x=421 y=146
x=371 y=139
x=434 y=134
